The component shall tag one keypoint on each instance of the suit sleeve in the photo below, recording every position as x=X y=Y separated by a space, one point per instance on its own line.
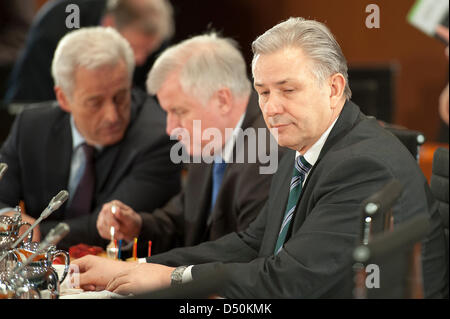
x=165 y=224
x=10 y=187
x=317 y=254
x=151 y=181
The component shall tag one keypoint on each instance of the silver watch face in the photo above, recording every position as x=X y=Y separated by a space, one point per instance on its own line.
x=177 y=275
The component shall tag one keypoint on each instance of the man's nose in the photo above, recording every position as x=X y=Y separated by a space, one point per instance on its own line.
x=273 y=106
x=172 y=123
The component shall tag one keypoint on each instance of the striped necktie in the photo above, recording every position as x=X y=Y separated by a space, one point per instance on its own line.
x=301 y=168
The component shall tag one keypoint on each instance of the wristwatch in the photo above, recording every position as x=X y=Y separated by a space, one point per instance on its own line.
x=177 y=275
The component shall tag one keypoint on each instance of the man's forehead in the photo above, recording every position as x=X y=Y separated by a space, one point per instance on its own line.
x=280 y=67
x=113 y=74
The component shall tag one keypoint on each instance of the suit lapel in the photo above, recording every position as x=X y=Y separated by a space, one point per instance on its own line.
x=281 y=194
x=104 y=163
x=251 y=114
x=344 y=124
x=59 y=155
x=199 y=189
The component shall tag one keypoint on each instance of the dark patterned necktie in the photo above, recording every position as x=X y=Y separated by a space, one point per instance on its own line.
x=82 y=200
x=301 y=168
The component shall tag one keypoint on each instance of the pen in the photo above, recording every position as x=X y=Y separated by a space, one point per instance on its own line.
x=135 y=249
x=119 y=253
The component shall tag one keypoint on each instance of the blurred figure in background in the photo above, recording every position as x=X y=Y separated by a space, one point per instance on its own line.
x=443 y=99
x=146 y=24
x=101 y=140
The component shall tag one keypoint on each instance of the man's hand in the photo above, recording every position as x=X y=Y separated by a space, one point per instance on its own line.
x=96 y=272
x=143 y=277
x=27 y=219
x=126 y=222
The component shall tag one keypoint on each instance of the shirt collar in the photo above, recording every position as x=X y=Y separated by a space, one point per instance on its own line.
x=227 y=151
x=77 y=138
x=312 y=154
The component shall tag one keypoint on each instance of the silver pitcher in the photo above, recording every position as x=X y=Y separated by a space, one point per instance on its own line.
x=40 y=273
x=15 y=286
x=9 y=233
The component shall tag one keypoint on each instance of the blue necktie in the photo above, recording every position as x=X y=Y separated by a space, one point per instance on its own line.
x=301 y=168
x=217 y=175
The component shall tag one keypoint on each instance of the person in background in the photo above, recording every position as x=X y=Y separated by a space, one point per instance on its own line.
x=443 y=98
x=101 y=140
x=146 y=24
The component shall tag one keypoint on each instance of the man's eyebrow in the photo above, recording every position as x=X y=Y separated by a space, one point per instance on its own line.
x=281 y=82
x=93 y=97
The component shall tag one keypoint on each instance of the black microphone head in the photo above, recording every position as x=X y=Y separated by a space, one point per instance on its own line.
x=3 y=169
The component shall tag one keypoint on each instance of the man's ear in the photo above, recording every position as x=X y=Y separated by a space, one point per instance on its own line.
x=63 y=101
x=337 y=85
x=225 y=100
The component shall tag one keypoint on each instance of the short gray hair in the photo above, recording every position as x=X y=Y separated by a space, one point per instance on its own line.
x=316 y=41
x=150 y=16
x=206 y=64
x=91 y=48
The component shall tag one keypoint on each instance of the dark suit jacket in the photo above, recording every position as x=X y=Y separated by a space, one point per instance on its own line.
x=186 y=220
x=31 y=79
x=357 y=160
x=138 y=170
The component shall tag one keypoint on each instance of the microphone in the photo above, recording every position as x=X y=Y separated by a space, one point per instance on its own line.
x=384 y=199
x=53 y=237
x=377 y=210
x=54 y=204
x=3 y=169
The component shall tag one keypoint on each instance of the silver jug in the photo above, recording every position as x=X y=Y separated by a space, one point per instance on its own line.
x=15 y=286
x=44 y=280
x=9 y=233
x=39 y=272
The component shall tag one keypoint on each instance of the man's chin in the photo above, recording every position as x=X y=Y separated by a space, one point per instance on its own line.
x=111 y=140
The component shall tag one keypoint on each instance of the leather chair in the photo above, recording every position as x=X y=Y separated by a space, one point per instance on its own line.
x=412 y=140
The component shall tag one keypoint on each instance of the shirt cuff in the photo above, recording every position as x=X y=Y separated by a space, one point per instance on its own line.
x=6 y=209
x=187 y=274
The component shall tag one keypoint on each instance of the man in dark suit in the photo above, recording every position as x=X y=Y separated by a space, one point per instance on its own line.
x=191 y=217
x=300 y=245
x=146 y=24
x=99 y=141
